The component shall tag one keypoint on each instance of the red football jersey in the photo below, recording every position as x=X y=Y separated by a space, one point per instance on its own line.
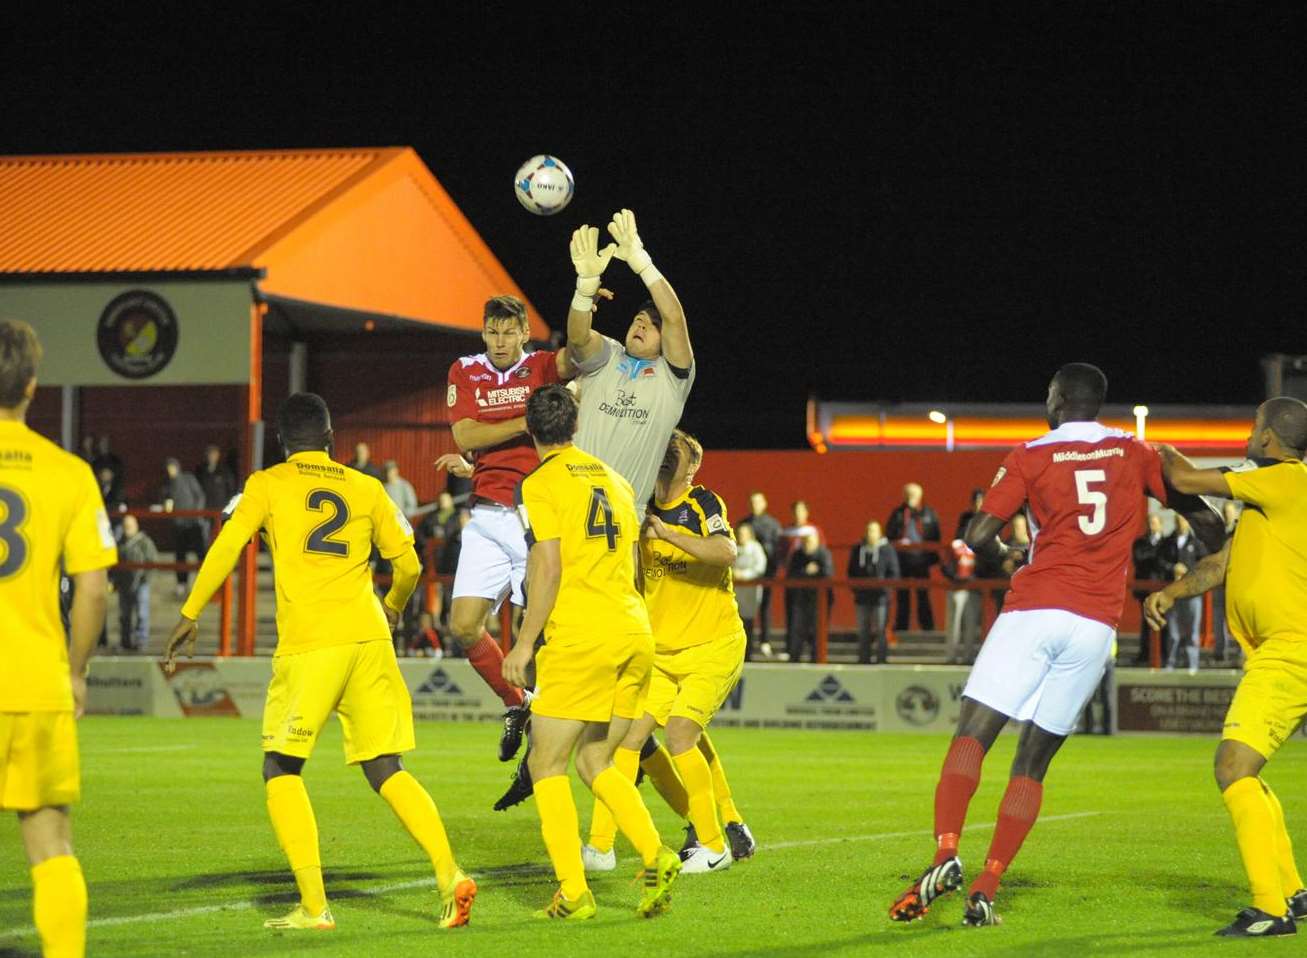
x=478 y=390
x=1084 y=485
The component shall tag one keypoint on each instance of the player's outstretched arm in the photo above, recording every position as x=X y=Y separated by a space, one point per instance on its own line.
x=472 y=435
x=630 y=248
x=86 y=620
x=221 y=559
x=1185 y=477
x=710 y=550
x=1205 y=576
x=544 y=572
x=589 y=262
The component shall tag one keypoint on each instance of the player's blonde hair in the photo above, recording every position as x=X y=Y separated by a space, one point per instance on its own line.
x=20 y=354
x=690 y=444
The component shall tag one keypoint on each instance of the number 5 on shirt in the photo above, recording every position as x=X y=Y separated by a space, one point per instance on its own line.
x=1094 y=524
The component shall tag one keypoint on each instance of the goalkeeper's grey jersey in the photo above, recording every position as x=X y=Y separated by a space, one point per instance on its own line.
x=629 y=408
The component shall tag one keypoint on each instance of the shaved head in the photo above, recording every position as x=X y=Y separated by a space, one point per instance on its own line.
x=1287 y=418
x=1075 y=394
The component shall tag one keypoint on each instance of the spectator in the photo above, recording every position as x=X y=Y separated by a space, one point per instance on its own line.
x=801 y=527
x=110 y=490
x=914 y=522
x=106 y=459
x=1226 y=647
x=792 y=537
x=362 y=461
x=872 y=558
x=181 y=493
x=964 y=606
x=400 y=490
x=1147 y=555
x=133 y=586
x=1180 y=553
x=811 y=560
x=750 y=563
x=217 y=481
x=768 y=532
x=87 y=449
x=964 y=520
x=425 y=641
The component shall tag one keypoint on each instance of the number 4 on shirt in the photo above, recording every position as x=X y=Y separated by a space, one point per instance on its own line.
x=599 y=522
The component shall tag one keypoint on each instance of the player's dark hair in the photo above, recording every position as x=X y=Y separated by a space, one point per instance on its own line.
x=504 y=307
x=551 y=416
x=1084 y=387
x=304 y=423
x=655 y=317
x=20 y=354
x=1287 y=418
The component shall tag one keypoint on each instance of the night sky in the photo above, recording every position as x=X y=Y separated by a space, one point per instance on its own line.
x=871 y=202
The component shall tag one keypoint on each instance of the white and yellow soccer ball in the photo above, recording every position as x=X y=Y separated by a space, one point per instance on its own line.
x=543 y=185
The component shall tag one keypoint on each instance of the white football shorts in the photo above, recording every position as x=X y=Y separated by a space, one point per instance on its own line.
x=492 y=561
x=1041 y=666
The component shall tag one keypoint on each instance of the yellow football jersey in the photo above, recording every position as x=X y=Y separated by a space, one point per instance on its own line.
x=690 y=602
x=1266 y=582
x=320 y=520
x=574 y=498
x=50 y=512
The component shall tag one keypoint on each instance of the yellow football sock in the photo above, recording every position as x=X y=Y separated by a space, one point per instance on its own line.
x=297 y=833
x=662 y=772
x=59 y=906
x=1290 y=880
x=620 y=795
x=703 y=810
x=559 y=827
x=414 y=807
x=721 y=789
x=1254 y=828
x=603 y=829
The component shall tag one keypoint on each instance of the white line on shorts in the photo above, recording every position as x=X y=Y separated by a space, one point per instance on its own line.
x=247 y=904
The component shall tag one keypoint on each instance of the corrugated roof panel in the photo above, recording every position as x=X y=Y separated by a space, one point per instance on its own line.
x=160 y=212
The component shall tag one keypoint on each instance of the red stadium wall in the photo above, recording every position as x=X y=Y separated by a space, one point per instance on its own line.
x=846 y=490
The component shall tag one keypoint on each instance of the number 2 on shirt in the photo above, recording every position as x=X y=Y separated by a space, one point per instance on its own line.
x=1094 y=524
x=319 y=540
x=599 y=518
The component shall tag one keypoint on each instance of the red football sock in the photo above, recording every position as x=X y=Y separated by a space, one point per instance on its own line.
x=487 y=658
x=1016 y=816
x=957 y=783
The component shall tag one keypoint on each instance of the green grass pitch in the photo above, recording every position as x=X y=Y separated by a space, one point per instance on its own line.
x=1134 y=854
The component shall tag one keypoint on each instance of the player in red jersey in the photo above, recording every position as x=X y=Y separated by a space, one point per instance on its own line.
x=1083 y=486
x=487 y=397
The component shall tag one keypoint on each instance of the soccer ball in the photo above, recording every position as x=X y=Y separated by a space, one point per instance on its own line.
x=543 y=185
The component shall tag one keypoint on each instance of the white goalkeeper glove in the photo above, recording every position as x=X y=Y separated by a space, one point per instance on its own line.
x=631 y=249
x=590 y=262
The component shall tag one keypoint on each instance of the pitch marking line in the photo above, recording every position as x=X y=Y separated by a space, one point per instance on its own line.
x=246 y=905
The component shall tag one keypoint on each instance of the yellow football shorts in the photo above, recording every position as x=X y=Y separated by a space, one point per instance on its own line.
x=589 y=679
x=693 y=683
x=1271 y=699
x=361 y=682
x=39 y=766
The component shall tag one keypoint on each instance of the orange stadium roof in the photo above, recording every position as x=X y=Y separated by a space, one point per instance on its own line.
x=360 y=229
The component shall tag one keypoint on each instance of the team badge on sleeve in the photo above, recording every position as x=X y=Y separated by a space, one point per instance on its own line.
x=451 y=395
x=104 y=528
x=998 y=476
x=230 y=508
x=716 y=524
x=403 y=521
